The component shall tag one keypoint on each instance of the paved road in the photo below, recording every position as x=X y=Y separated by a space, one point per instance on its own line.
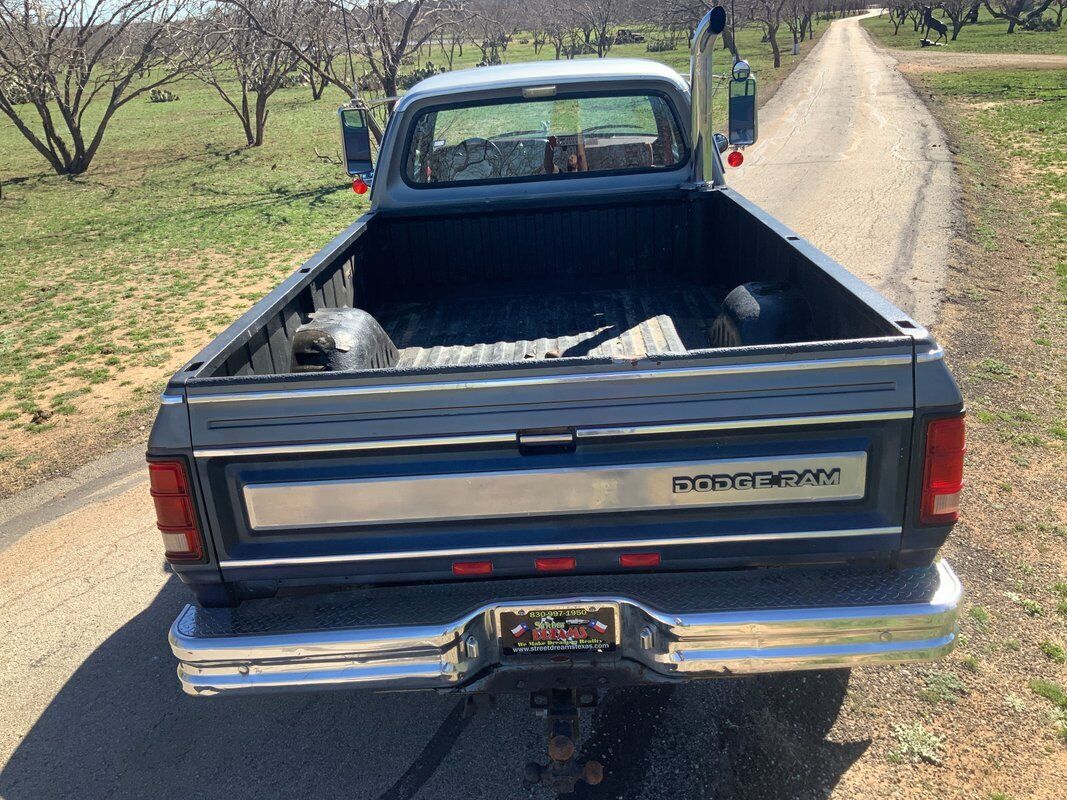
x=91 y=705
x=851 y=159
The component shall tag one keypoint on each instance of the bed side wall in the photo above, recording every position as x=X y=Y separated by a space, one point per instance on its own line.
x=537 y=247
x=259 y=343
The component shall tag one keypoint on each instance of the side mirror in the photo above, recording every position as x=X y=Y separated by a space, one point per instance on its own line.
x=721 y=142
x=355 y=140
x=743 y=122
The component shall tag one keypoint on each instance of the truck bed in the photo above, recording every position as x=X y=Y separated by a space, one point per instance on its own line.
x=613 y=324
x=394 y=474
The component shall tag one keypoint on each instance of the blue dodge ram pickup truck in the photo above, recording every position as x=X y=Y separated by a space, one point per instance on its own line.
x=562 y=412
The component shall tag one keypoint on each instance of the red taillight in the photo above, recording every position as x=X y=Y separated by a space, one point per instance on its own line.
x=943 y=471
x=735 y=159
x=472 y=567
x=561 y=564
x=639 y=560
x=359 y=186
x=175 y=515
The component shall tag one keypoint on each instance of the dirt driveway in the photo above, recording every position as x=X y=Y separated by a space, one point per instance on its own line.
x=851 y=159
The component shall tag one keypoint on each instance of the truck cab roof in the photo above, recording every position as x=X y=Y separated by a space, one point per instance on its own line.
x=537 y=73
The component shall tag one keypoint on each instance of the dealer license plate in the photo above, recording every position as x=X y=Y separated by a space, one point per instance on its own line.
x=558 y=631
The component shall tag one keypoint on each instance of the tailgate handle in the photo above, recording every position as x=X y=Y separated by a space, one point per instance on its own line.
x=557 y=441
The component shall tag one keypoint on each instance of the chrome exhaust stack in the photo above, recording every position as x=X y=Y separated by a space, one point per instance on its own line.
x=713 y=23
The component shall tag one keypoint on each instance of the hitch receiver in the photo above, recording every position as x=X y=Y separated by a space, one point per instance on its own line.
x=562 y=773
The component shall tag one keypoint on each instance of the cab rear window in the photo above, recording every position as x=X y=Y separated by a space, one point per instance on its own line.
x=543 y=138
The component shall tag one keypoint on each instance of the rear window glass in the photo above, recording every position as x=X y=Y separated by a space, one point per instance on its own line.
x=550 y=138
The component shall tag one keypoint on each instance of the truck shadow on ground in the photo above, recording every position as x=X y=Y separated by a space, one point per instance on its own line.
x=120 y=728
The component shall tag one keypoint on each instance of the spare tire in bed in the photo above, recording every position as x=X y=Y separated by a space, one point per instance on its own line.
x=762 y=313
x=342 y=339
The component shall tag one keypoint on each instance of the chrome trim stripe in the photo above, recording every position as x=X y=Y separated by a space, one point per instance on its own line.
x=742 y=424
x=581 y=433
x=936 y=354
x=171 y=399
x=674 y=541
x=550 y=491
x=345 y=447
x=555 y=380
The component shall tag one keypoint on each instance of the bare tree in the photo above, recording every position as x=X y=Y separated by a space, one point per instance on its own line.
x=488 y=26
x=1017 y=12
x=598 y=20
x=768 y=15
x=554 y=19
x=959 y=14
x=322 y=44
x=246 y=67
x=449 y=38
x=898 y=13
x=62 y=57
x=793 y=15
x=389 y=31
x=383 y=33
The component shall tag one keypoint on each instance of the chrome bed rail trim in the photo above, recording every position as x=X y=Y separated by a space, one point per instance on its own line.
x=360 y=446
x=218 y=653
x=742 y=424
x=674 y=541
x=555 y=380
x=311 y=448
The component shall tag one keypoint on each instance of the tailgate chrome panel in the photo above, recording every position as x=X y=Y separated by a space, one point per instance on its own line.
x=544 y=492
x=674 y=625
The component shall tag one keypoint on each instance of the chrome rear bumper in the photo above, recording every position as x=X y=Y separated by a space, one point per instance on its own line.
x=671 y=627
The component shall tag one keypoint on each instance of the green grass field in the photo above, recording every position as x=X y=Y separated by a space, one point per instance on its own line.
x=988 y=36
x=1021 y=115
x=1005 y=325
x=110 y=280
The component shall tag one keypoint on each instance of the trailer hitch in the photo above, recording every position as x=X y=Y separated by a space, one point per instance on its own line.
x=562 y=708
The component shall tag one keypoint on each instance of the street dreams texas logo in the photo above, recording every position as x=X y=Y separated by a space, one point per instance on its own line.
x=781 y=479
x=548 y=629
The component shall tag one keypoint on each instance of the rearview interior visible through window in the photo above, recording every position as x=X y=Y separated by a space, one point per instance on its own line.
x=547 y=138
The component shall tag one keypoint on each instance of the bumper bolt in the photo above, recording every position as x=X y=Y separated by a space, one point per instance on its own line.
x=471 y=644
x=648 y=638
x=243 y=669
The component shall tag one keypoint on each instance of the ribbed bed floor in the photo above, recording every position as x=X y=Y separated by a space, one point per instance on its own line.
x=618 y=324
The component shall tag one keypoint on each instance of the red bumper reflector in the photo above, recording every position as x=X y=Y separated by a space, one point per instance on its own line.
x=561 y=564
x=639 y=560
x=735 y=159
x=472 y=567
x=943 y=471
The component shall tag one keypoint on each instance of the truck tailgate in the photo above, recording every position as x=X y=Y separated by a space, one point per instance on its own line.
x=738 y=460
